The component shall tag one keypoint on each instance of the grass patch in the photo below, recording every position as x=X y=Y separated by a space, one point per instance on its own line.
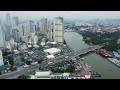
x=30 y=73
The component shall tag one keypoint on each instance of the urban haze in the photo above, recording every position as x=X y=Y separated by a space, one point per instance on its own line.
x=59 y=44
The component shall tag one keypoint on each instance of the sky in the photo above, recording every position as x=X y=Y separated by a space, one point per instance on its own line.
x=82 y=15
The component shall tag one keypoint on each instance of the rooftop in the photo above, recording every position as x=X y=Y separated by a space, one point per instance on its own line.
x=52 y=50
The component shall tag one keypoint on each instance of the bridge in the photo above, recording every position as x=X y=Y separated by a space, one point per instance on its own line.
x=21 y=71
x=81 y=52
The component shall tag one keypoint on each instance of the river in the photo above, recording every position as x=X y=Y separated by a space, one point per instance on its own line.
x=99 y=64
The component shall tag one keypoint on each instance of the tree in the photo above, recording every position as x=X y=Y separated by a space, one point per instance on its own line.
x=28 y=62
x=11 y=60
x=70 y=69
x=39 y=61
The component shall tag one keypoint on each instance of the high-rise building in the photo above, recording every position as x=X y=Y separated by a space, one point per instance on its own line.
x=24 y=29
x=15 y=21
x=33 y=39
x=7 y=32
x=50 y=30
x=59 y=30
x=0 y=22
x=21 y=29
x=1 y=59
x=16 y=35
x=32 y=26
x=44 y=26
x=2 y=37
x=8 y=19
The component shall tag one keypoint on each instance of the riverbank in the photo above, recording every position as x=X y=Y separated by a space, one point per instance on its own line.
x=105 y=68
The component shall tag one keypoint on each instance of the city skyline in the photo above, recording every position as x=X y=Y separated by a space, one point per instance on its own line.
x=82 y=15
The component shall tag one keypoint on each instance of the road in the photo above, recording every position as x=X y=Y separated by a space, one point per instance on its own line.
x=19 y=72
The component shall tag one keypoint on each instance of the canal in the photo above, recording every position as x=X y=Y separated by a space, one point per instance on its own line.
x=97 y=63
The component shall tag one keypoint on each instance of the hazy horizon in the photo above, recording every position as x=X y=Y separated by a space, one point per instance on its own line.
x=80 y=15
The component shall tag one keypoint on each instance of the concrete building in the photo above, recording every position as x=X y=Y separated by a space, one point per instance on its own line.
x=50 y=30
x=24 y=29
x=44 y=26
x=1 y=59
x=0 y=22
x=21 y=29
x=12 y=43
x=16 y=35
x=33 y=39
x=7 y=32
x=2 y=37
x=15 y=21
x=32 y=26
x=59 y=30
x=25 y=39
x=8 y=19
x=52 y=51
x=41 y=75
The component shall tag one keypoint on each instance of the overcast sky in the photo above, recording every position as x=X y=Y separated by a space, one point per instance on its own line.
x=85 y=15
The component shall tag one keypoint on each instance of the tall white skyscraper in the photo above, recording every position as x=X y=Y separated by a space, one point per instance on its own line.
x=44 y=26
x=8 y=19
x=24 y=29
x=15 y=21
x=2 y=37
x=50 y=29
x=1 y=59
x=59 y=30
x=21 y=29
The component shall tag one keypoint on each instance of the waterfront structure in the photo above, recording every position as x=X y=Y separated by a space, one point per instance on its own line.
x=59 y=30
x=15 y=21
x=2 y=37
x=1 y=59
x=8 y=19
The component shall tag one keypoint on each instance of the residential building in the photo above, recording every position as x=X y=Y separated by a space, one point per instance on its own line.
x=2 y=37
x=16 y=35
x=59 y=30
x=8 y=19
x=15 y=21
x=50 y=30
x=24 y=29
x=0 y=22
x=33 y=39
x=7 y=32
x=44 y=26
x=1 y=59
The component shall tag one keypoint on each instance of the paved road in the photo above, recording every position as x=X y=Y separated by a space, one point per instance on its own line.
x=18 y=72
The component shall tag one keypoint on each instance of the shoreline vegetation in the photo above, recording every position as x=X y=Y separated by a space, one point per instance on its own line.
x=109 y=41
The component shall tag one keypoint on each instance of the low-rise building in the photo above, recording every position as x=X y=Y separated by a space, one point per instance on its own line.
x=52 y=51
